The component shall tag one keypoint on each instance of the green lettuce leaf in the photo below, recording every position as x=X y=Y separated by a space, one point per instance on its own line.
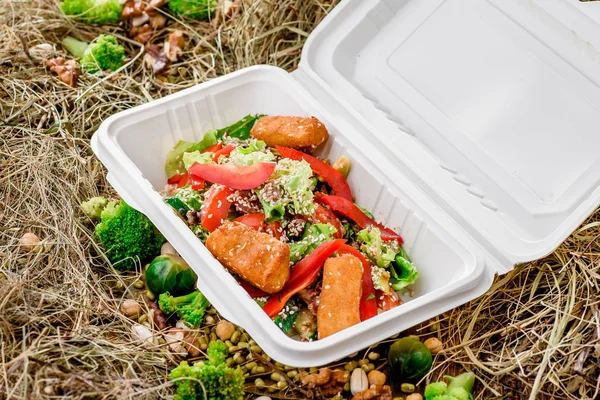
x=296 y=179
x=380 y=252
x=403 y=271
x=192 y=198
x=255 y=152
x=312 y=237
x=189 y=158
x=174 y=162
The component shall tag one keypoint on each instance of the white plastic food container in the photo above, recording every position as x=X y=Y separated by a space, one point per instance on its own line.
x=473 y=127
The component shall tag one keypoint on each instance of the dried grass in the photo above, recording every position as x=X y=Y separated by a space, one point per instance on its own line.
x=535 y=334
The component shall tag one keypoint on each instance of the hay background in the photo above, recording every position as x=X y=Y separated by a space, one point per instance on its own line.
x=535 y=334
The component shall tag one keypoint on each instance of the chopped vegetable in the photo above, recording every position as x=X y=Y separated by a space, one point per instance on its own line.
x=287 y=317
x=403 y=272
x=170 y=273
x=127 y=235
x=255 y=221
x=306 y=325
x=302 y=275
x=460 y=388
x=252 y=291
x=312 y=237
x=409 y=358
x=240 y=129
x=215 y=207
x=190 y=158
x=382 y=254
x=210 y=379
x=234 y=176
x=190 y=307
x=93 y=11
x=94 y=206
x=255 y=152
x=368 y=302
x=325 y=216
x=333 y=177
x=192 y=198
x=104 y=53
x=351 y=211
x=174 y=163
x=295 y=179
x=178 y=205
x=225 y=151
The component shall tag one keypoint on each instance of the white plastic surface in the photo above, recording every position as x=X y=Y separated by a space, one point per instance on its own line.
x=133 y=145
x=471 y=125
x=491 y=106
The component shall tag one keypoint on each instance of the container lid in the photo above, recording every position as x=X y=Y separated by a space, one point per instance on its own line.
x=491 y=106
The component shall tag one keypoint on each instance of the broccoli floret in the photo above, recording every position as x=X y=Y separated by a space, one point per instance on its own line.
x=127 y=235
x=190 y=308
x=459 y=388
x=210 y=380
x=197 y=9
x=94 y=206
x=93 y=11
x=104 y=53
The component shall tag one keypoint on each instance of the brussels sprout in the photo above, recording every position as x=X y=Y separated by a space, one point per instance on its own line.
x=170 y=273
x=409 y=358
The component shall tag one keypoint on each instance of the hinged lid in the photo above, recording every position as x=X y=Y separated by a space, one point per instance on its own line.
x=491 y=106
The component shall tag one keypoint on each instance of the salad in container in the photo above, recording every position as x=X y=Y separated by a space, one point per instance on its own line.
x=285 y=224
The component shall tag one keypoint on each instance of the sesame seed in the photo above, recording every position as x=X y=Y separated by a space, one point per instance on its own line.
x=329 y=314
x=210 y=216
x=327 y=287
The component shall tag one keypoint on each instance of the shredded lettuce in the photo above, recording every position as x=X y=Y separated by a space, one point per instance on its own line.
x=174 y=164
x=273 y=211
x=192 y=198
x=380 y=252
x=297 y=181
x=189 y=158
x=403 y=271
x=312 y=237
x=255 y=152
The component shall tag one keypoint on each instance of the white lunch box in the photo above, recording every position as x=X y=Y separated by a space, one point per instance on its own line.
x=473 y=127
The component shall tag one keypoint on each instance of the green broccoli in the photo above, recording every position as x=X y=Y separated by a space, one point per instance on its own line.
x=190 y=307
x=94 y=206
x=197 y=9
x=211 y=380
x=127 y=235
x=459 y=388
x=93 y=11
x=104 y=53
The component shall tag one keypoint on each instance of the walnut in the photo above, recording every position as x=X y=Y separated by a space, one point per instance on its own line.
x=141 y=34
x=173 y=47
x=67 y=71
x=375 y=392
x=329 y=382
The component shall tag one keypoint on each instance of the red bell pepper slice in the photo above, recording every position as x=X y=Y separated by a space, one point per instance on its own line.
x=387 y=301
x=252 y=291
x=254 y=221
x=332 y=176
x=176 y=178
x=214 y=148
x=185 y=179
x=325 y=216
x=302 y=275
x=349 y=210
x=274 y=228
x=215 y=207
x=225 y=151
x=234 y=176
x=368 y=302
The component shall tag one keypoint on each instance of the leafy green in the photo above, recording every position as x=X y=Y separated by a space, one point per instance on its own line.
x=367 y=212
x=174 y=163
x=312 y=237
x=240 y=129
x=192 y=198
x=380 y=252
x=403 y=271
x=273 y=211
x=296 y=180
x=255 y=152
x=287 y=317
x=189 y=158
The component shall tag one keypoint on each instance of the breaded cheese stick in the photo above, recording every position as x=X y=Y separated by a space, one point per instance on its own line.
x=339 y=306
x=295 y=132
x=256 y=257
